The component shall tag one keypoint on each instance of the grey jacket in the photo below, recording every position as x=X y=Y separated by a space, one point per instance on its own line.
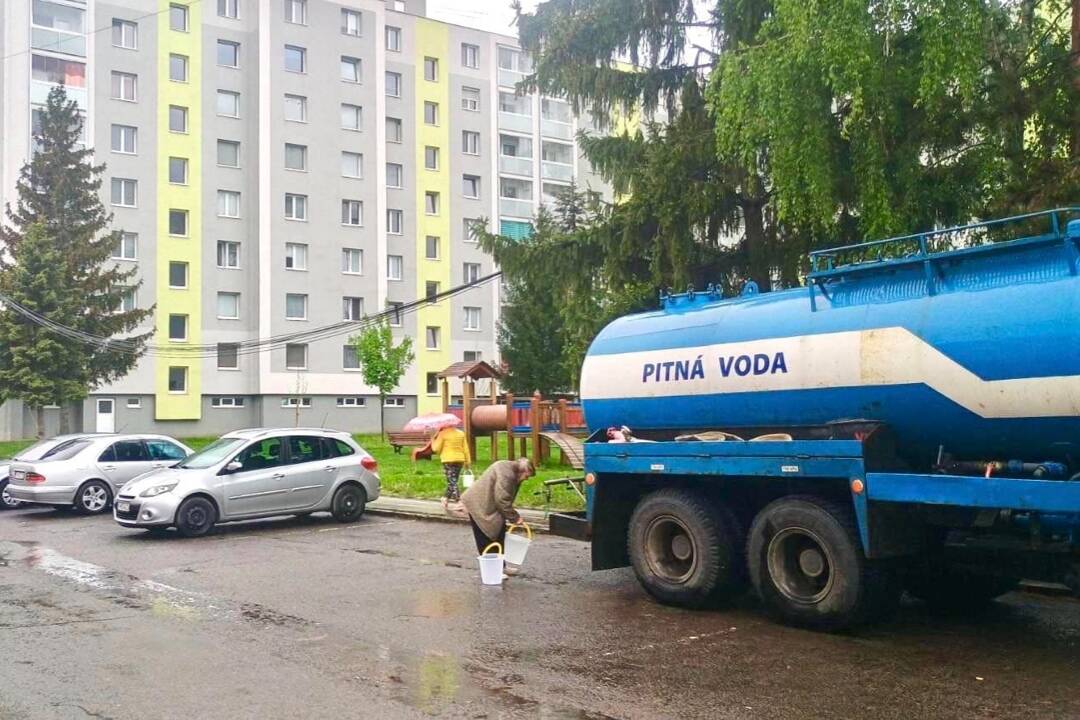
x=490 y=500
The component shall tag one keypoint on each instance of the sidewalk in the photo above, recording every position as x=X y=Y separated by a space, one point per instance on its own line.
x=432 y=510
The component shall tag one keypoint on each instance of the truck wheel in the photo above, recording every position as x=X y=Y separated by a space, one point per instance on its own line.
x=950 y=590
x=807 y=565
x=685 y=550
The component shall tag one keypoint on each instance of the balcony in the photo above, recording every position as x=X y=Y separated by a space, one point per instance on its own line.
x=556 y=171
x=510 y=78
x=516 y=208
x=516 y=165
x=58 y=41
x=555 y=129
x=515 y=122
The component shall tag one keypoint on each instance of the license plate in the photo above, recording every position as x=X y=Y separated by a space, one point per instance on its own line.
x=123 y=506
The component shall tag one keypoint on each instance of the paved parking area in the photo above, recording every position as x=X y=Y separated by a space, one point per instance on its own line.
x=306 y=618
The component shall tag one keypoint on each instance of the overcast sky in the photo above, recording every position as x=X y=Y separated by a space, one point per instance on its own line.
x=490 y=15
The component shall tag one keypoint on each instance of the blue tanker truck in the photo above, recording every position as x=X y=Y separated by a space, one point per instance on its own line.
x=909 y=420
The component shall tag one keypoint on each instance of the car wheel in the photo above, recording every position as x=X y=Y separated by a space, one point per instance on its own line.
x=348 y=503
x=195 y=517
x=6 y=501
x=93 y=498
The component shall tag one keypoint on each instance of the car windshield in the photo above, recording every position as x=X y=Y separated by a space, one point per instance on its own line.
x=212 y=454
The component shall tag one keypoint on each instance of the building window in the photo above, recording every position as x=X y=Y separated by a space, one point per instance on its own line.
x=178 y=171
x=431 y=336
x=432 y=383
x=296 y=256
x=226 y=401
x=134 y=403
x=228 y=153
x=228 y=9
x=431 y=202
x=296 y=356
x=395 y=221
x=431 y=157
x=228 y=306
x=470 y=272
x=473 y=356
x=515 y=104
x=470 y=99
x=59 y=72
x=352 y=308
x=352 y=165
x=352 y=261
x=125 y=34
x=512 y=59
x=124 y=86
x=515 y=146
x=178 y=275
x=178 y=328
x=351 y=23
x=351 y=402
x=555 y=111
x=177 y=379
x=125 y=192
x=295 y=206
x=431 y=113
x=557 y=152
x=352 y=117
x=349 y=360
x=431 y=247
x=469 y=229
x=395 y=175
x=127 y=246
x=431 y=290
x=470 y=142
x=394 y=309
x=472 y=318
x=394 y=402
x=471 y=186
x=295 y=157
x=394 y=130
x=295 y=59
x=178 y=18
x=296 y=12
x=296 y=108
x=178 y=119
x=393 y=38
x=228 y=103
x=228 y=203
x=228 y=254
x=470 y=55
x=295 y=402
x=178 y=67
x=296 y=306
x=228 y=54
x=178 y=222
x=124 y=139
x=393 y=84
x=127 y=300
x=431 y=69
x=515 y=189
x=394 y=265
x=351 y=70
x=352 y=212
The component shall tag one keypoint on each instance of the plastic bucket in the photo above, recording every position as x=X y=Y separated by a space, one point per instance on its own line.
x=491 y=565
x=517 y=545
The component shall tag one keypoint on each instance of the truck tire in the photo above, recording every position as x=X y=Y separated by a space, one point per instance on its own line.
x=685 y=549
x=951 y=590
x=808 y=567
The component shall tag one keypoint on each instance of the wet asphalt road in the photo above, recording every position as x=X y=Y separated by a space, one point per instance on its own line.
x=306 y=618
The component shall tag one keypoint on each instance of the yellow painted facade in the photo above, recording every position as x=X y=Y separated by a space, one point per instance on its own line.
x=432 y=41
x=186 y=405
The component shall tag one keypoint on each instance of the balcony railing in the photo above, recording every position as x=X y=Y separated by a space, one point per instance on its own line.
x=556 y=171
x=515 y=208
x=516 y=165
x=515 y=122
x=555 y=129
x=58 y=41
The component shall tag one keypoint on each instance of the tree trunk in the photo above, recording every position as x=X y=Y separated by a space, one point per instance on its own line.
x=756 y=250
x=65 y=419
x=382 y=416
x=39 y=419
x=1074 y=66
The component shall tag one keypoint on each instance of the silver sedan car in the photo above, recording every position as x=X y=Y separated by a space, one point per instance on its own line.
x=250 y=474
x=39 y=450
x=86 y=472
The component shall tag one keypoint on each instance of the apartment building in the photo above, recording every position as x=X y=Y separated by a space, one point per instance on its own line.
x=280 y=166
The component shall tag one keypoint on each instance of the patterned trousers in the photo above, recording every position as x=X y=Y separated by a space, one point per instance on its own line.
x=452 y=472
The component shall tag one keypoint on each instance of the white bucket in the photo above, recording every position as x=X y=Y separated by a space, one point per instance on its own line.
x=517 y=545
x=491 y=566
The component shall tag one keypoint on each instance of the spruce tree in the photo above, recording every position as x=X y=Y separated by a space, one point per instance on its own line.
x=55 y=250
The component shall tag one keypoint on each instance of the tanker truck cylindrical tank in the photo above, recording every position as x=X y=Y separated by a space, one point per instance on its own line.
x=987 y=364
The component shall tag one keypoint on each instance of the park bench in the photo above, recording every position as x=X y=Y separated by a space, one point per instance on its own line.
x=399 y=440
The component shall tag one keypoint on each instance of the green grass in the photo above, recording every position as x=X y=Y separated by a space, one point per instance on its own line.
x=424 y=479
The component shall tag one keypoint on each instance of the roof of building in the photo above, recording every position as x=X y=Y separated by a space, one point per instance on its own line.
x=477 y=370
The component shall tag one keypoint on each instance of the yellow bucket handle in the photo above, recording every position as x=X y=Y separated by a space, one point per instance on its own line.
x=493 y=545
x=522 y=524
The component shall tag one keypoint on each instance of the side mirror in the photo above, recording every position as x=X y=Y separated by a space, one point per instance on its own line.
x=234 y=466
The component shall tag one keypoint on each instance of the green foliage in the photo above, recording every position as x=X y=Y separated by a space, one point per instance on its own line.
x=55 y=261
x=382 y=363
x=531 y=340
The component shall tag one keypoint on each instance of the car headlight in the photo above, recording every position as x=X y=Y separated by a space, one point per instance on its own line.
x=157 y=490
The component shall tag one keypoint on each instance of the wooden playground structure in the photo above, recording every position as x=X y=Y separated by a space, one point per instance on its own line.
x=534 y=423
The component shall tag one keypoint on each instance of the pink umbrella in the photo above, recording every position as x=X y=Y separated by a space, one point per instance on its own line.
x=430 y=422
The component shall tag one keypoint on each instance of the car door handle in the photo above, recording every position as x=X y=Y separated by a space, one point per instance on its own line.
x=329 y=468
x=278 y=476
x=108 y=467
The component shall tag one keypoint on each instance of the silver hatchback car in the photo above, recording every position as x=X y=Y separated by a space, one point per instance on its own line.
x=250 y=474
x=86 y=472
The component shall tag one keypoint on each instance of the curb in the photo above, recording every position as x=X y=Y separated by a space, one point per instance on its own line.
x=538 y=524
